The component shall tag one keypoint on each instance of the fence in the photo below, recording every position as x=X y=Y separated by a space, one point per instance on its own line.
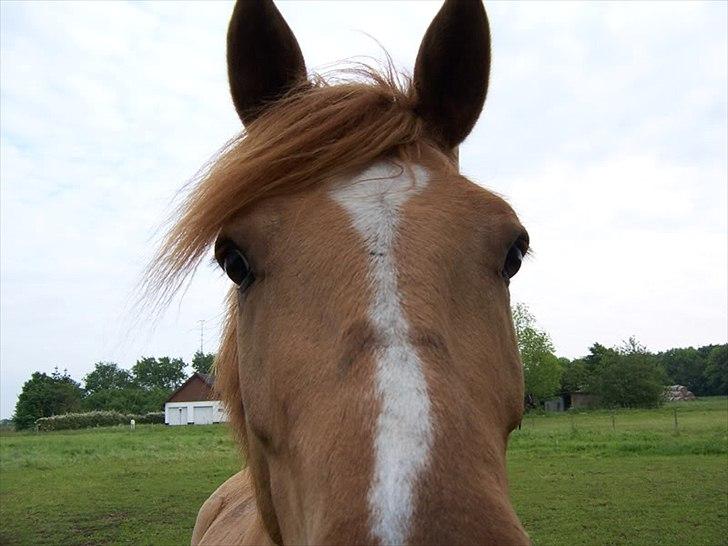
x=674 y=417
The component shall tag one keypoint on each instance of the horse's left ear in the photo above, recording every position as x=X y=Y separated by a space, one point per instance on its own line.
x=263 y=57
x=452 y=69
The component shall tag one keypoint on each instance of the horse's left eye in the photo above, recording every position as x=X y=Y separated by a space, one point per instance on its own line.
x=236 y=267
x=513 y=262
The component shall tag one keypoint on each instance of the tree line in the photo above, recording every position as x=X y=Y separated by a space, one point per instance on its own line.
x=625 y=376
x=142 y=389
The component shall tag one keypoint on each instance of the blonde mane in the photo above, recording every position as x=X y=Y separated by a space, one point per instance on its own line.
x=321 y=130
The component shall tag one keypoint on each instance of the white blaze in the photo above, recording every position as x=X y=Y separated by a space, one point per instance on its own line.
x=403 y=432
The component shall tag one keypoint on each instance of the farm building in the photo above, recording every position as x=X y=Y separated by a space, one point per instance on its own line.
x=582 y=400
x=194 y=403
x=572 y=400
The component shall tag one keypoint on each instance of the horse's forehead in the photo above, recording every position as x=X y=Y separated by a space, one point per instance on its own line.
x=385 y=185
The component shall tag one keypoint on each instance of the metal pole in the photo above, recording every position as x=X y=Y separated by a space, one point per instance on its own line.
x=202 y=336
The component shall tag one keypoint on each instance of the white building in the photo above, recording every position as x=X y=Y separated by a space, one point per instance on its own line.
x=194 y=403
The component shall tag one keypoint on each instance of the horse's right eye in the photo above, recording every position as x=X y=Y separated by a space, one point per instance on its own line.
x=235 y=265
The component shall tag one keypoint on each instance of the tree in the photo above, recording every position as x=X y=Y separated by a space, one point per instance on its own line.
x=159 y=373
x=541 y=368
x=202 y=363
x=685 y=366
x=583 y=372
x=575 y=376
x=45 y=395
x=127 y=400
x=597 y=353
x=628 y=377
x=109 y=387
x=106 y=376
x=716 y=370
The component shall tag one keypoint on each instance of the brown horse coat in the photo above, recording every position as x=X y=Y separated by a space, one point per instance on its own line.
x=230 y=516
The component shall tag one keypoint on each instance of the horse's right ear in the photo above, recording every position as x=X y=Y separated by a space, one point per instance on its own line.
x=263 y=57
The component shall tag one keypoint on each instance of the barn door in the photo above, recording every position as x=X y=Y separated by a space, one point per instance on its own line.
x=177 y=416
x=203 y=415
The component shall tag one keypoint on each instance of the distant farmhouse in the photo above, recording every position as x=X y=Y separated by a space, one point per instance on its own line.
x=194 y=403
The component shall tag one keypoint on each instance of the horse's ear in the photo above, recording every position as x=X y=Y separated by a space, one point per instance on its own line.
x=263 y=57
x=452 y=69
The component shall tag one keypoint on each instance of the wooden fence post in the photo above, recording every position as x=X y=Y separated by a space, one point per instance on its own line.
x=674 y=412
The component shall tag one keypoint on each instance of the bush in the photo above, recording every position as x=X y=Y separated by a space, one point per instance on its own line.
x=92 y=419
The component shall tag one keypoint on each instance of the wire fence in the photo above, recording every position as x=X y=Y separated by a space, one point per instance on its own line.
x=674 y=418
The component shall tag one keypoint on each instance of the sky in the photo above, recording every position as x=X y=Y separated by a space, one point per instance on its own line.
x=605 y=127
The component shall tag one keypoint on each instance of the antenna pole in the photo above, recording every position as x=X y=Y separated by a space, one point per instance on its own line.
x=202 y=336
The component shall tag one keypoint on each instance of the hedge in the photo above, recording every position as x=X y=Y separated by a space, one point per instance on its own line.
x=95 y=419
x=152 y=418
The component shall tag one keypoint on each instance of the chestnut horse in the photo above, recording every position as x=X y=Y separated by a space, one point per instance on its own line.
x=369 y=363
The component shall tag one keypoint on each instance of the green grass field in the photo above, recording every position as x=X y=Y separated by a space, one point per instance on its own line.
x=574 y=479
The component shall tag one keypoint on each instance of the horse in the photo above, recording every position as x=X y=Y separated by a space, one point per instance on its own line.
x=368 y=361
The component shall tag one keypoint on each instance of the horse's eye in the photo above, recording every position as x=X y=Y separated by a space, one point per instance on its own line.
x=513 y=261
x=237 y=268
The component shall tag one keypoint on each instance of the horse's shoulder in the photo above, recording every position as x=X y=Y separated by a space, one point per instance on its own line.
x=229 y=516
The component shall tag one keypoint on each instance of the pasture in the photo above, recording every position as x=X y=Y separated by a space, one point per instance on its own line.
x=575 y=479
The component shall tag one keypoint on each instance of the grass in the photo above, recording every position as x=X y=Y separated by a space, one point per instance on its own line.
x=578 y=479
x=109 y=485
x=574 y=479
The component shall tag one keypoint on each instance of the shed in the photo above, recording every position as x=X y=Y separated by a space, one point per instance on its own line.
x=555 y=404
x=194 y=403
x=584 y=400
x=572 y=400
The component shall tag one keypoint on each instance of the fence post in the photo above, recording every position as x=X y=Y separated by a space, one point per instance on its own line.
x=613 y=425
x=674 y=412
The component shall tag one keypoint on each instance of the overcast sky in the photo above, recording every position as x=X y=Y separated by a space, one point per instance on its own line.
x=605 y=127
